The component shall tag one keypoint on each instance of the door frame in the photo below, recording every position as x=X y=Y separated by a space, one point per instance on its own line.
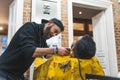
x=107 y=7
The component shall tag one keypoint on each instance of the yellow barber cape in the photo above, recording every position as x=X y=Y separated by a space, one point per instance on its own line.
x=38 y=62
x=66 y=68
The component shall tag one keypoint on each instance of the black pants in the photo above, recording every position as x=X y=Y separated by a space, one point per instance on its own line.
x=7 y=76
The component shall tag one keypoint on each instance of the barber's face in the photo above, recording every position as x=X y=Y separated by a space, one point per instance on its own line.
x=51 y=31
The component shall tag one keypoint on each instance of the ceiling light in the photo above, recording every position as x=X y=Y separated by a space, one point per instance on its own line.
x=80 y=12
x=119 y=1
x=1 y=27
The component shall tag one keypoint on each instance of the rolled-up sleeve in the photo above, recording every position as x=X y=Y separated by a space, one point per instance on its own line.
x=27 y=37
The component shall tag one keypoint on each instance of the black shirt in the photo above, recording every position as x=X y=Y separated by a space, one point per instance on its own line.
x=18 y=56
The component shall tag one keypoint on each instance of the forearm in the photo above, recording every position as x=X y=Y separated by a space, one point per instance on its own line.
x=42 y=51
x=46 y=51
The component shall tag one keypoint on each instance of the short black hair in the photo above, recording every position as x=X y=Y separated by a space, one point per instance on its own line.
x=85 y=48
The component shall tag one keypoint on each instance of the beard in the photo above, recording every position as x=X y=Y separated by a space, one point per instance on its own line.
x=47 y=32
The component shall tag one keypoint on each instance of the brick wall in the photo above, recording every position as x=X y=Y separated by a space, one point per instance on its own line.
x=27 y=11
x=116 y=13
x=64 y=16
x=26 y=18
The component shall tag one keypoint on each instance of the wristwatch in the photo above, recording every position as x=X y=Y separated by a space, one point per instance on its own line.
x=55 y=50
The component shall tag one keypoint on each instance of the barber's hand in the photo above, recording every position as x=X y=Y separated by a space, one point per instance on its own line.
x=62 y=51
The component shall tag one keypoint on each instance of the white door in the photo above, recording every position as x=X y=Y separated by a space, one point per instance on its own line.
x=100 y=37
x=15 y=17
x=12 y=20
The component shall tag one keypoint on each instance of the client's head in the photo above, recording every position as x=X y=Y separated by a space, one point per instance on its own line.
x=85 y=48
